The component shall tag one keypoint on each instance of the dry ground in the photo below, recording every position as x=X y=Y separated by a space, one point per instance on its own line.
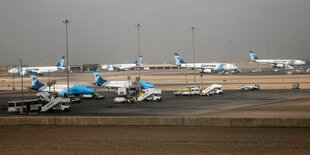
x=152 y=140
x=175 y=79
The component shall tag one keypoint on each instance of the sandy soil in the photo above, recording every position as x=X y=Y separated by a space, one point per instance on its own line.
x=152 y=140
x=171 y=80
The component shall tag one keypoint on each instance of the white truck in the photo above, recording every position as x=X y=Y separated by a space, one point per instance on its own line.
x=93 y=96
x=191 y=90
x=250 y=87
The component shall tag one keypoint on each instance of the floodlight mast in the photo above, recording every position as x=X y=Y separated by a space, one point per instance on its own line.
x=67 y=52
x=139 y=54
x=193 y=37
x=230 y=52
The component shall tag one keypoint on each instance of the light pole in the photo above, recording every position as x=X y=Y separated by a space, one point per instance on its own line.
x=67 y=50
x=267 y=50
x=201 y=75
x=22 y=82
x=13 y=82
x=229 y=56
x=139 y=65
x=193 y=33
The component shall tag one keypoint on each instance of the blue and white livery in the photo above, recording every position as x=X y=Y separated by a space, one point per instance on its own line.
x=39 y=70
x=122 y=67
x=99 y=81
x=278 y=63
x=62 y=90
x=205 y=67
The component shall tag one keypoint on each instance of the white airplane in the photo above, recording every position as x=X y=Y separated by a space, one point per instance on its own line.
x=99 y=81
x=206 y=67
x=278 y=63
x=121 y=67
x=39 y=70
x=62 y=90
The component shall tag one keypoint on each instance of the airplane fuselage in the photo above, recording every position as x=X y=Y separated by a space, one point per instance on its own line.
x=213 y=66
x=274 y=62
x=44 y=69
x=73 y=89
x=118 y=66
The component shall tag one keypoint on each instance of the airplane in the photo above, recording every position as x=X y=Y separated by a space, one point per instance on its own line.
x=39 y=70
x=62 y=90
x=206 y=67
x=99 y=81
x=278 y=63
x=122 y=67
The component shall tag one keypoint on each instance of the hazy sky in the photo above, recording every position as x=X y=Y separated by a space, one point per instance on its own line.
x=102 y=31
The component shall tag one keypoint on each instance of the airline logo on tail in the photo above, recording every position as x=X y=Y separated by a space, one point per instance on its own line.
x=35 y=82
x=178 y=59
x=290 y=63
x=253 y=56
x=139 y=60
x=220 y=67
x=98 y=79
x=61 y=62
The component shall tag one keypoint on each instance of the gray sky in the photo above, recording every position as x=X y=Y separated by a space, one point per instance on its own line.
x=102 y=31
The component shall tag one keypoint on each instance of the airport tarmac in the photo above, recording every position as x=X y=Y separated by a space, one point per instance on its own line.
x=231 y=104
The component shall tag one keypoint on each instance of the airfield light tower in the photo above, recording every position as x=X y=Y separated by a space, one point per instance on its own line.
x=22 y=82
x=267 y=50
x=13 y=82
x=139 y=54
x=67 y=51
x=193 y=36
x=230 y=56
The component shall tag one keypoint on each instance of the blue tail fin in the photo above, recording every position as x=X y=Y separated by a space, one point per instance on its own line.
x=220 y=67
x=253 y=56
x=61 y=62
x=98 y=79
x=35 y=82
x=178 y=59
x=138 y=61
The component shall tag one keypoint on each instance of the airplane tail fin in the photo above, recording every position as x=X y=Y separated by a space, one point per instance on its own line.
x=290 y=63
x=35 y=82
x=221 y=67
x=253 y=56
x=61 y=62
x=178 y=59
x=98 y=79
x=139 y=60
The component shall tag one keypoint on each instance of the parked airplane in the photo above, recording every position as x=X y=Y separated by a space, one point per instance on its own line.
x=116 y=84
x=277 y=63
x=122 y=67
x=206 y=67
x=62 y=90
x=39 y=70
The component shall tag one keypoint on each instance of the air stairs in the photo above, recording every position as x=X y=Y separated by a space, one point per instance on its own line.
x=212 y=89
x=52 y=100
x=148 y=93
